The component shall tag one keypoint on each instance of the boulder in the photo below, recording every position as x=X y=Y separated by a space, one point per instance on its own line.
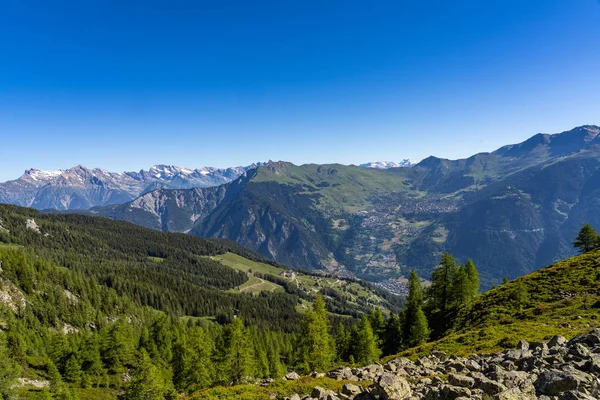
x=461 y=380
x=555 y=382
x=292 y=376
x=392 y=387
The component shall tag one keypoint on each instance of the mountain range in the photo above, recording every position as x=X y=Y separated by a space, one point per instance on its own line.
x=80 y=188
x=512 y=210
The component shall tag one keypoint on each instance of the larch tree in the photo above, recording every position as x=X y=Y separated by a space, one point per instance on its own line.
x=317 y=350
x=415 y=329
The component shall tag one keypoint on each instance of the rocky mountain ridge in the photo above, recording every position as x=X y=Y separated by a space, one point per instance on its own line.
x=80 y=188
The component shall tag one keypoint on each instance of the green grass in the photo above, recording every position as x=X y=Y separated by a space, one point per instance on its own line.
x=341 y=187
x=310 y=283
x=496 y=320
x=281 y=388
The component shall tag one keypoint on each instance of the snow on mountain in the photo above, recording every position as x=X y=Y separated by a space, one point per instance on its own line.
x=39 y=175
x=82 y=188
x=389 y=164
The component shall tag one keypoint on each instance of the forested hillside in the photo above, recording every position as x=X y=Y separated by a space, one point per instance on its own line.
x=87 y=302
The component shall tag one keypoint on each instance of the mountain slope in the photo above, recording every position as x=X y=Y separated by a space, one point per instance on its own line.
x=560 y=299
x=511 y=211
x=79 y=188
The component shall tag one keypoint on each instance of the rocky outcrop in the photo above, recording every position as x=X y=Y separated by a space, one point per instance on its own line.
x=556 y=370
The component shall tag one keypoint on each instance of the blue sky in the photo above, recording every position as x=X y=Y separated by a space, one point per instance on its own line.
x=127 y=84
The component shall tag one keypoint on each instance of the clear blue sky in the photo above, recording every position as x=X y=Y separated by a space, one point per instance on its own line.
x=127 y=84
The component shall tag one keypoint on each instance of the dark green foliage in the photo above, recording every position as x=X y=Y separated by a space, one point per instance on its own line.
x=415 y=329
x=9 y=370
x=587 y=239
x=317 y=348
x=367 y=350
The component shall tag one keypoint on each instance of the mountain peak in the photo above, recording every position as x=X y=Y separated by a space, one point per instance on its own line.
x=389 y=164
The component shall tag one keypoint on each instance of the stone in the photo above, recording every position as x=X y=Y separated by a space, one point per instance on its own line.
x=556 y=382
x=489 y=386
x=292 y=376
x=351 y=389
x=455 y=392
x=557 y=341
x=392 y=387
x=461 y=380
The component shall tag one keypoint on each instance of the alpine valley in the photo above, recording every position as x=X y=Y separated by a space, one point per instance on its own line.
x=512 y=210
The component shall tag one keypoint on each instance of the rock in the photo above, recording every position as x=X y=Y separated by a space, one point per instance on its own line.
x=292 y=376
x=364 y=396
x=522 y=345
x=392 y=387
x=513 y=394
x=489 y=386
x=321 y=393
x=295 y=396
x=556 y=382
x=557 y=341
x=455 y=392
x=579 y=350
x=461 y=380
x=575 y=395
x=350 y=389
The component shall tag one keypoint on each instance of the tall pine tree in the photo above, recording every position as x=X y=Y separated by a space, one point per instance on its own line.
x=317 y=349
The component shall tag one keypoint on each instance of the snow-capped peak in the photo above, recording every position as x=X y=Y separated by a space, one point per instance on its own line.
x=389 y=164
x=39 y=175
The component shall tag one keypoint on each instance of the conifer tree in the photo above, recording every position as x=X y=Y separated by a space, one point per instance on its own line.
x=317 y=350
x=587 y=239
x=416 y=329
x=72 y=370
x=238 y=358
x=441 y=285
x=367 y=351
x=473 y=277
x=377 y=323
x=461 y=287
x=392 y=337
x=147 y=383
x=9 y=370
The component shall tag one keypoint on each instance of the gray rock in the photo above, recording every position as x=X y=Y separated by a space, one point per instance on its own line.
x=489 y=386
x=461 y=380
x=556 y=382
x=392 y=387
x=292 y=376
x=557 y=341
x=350 y=389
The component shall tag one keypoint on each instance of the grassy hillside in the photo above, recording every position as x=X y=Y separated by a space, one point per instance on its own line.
x=561 y=299
x=341 y=293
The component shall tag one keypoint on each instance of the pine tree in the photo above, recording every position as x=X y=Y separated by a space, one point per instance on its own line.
x=416 y=329
x=147 y=383
x=342 y=343
x=238 y=358
x=441 y=285
x=9 y=370
x=392 y=337
x=587 y=239
x=367 y=351
x=317 y=350
x=72 y=370
x=473 y=277
x=461 y=288
x=199 y=372
x=377 y=323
